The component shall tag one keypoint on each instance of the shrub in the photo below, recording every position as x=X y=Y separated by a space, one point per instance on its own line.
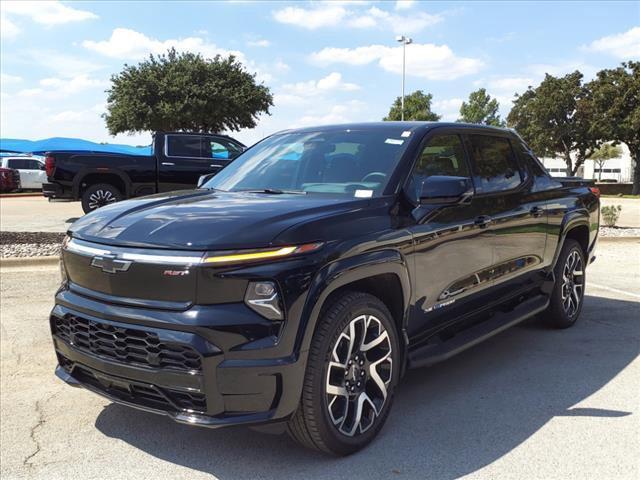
x=611 y=214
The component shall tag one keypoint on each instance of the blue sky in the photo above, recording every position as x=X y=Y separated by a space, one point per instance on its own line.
x=326 y=62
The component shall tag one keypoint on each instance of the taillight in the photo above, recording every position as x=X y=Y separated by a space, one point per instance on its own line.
x=49 y=165
x=595 y=191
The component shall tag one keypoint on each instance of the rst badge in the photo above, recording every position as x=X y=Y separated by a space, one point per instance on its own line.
x=175 y=273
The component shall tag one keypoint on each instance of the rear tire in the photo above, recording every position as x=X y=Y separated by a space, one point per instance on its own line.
x=352 y=372
x=568 y=292
x=99 y=195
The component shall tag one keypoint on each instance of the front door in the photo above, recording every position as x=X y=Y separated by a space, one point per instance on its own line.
x=453 y=251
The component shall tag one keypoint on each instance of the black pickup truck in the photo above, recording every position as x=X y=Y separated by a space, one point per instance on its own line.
x=176 y=162
x=300 y=283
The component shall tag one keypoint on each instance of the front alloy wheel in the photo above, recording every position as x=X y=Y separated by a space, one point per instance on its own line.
x=358 y=375
x=351 y=374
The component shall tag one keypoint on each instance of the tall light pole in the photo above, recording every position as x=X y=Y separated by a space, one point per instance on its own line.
x=405 y=41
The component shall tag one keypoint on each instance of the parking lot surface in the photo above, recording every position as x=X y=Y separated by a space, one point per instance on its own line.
x=529 y=403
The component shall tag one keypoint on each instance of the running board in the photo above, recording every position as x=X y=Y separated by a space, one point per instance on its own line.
x=430 y=354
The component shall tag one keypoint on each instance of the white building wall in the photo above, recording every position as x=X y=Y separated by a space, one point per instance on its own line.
x=617 y=169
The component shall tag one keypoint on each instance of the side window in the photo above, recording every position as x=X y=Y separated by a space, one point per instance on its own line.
x=541 y=178
x=495 y=167
x=183 y=146
x=220 y=148
x=17 y=163
x=33 y=164
x=443 y=155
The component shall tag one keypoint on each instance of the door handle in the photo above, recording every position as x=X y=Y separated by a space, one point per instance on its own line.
x=536 y=212
x=168 y=164
x=215 y=165
x=483 y=221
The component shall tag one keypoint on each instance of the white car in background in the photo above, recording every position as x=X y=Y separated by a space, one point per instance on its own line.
x=31 y=169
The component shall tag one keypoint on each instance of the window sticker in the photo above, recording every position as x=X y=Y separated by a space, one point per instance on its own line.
x=394 y=141
x=363 y=193
x=406 y=134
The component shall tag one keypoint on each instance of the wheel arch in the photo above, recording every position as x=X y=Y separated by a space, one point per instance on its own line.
x=91 y=176
x=383 y=274
x=575 y=226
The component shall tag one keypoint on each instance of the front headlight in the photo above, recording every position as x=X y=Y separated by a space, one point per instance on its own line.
x=263 y=297
x=240 y=256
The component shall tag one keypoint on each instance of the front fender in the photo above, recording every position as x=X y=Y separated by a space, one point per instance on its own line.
x=346 y=271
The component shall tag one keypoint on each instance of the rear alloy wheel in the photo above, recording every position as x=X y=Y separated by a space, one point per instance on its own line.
x=99 y=195
x=568 y=293
x=352 y=371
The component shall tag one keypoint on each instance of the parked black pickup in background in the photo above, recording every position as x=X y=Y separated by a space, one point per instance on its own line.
x=177 y=161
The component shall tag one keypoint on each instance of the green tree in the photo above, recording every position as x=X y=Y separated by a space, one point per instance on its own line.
x=557 y=119
x=185 y=92
x=615 y=94
x=481 y=108
x=417 y=106
x=604 y=153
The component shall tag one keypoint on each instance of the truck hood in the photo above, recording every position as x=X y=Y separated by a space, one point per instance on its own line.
x=209 y=220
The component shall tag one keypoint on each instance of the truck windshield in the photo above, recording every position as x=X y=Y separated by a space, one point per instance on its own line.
x=356 y=163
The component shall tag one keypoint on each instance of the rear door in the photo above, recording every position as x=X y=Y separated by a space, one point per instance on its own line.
x=515 y=212
x=184 y=160
x=453 y=251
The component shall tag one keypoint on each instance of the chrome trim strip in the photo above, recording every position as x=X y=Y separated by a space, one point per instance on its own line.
x=136 y=254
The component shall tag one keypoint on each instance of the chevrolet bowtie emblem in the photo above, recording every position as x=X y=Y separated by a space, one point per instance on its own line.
x=110 y=264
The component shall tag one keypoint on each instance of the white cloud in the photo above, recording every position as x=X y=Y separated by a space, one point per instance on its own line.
x=127 y=44
x=449 y=108
x=46 y=12
x=404 y=4
x=6 y=79
x=8 y=29
x=72 y=85
x=510 y=84
x=332 y=82
x=313 y=18
x=622 y=45
x=259 y=43
x=333 y=14
x=433 y=62
x=342 y=113
x=406 y=24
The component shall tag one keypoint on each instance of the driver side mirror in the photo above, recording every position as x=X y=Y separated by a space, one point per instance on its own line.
x=445 y=190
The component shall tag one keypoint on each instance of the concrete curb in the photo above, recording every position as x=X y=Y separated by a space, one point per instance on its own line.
x=618 y=239
x=21 y=195
x=29 y=261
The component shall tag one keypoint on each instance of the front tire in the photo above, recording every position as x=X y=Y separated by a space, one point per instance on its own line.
x=352 y=372
x=99 y=195
x=568 y=292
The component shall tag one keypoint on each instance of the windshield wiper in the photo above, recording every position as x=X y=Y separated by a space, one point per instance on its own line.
x=276 y=191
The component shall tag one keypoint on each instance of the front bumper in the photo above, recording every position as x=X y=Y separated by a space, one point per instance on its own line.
x=176 y=364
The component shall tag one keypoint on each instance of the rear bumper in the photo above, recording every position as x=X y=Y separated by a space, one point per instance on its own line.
x=55 y=190
x=220 y=388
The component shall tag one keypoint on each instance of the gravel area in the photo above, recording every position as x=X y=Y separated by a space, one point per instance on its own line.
x=619 y=232
x=30 y=244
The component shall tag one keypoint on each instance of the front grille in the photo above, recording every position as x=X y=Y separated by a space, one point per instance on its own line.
x=142 y=394
x=125 y=344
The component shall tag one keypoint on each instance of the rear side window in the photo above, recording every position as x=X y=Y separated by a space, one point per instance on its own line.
x=495 y=167
x=184 y=146
x=220 y=148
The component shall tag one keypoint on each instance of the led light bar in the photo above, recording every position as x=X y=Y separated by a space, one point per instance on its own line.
x=248 y=256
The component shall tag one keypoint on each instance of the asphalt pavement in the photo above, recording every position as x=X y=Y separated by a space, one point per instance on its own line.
x=529 y=403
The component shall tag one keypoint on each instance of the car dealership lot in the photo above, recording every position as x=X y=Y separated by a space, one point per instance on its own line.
x=529 y=403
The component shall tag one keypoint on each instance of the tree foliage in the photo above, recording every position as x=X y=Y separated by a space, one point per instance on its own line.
x=481 y=108
x=557 y=119
x=606 y=152
x=417 y=106
x=185 y=92
x=615 y=95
